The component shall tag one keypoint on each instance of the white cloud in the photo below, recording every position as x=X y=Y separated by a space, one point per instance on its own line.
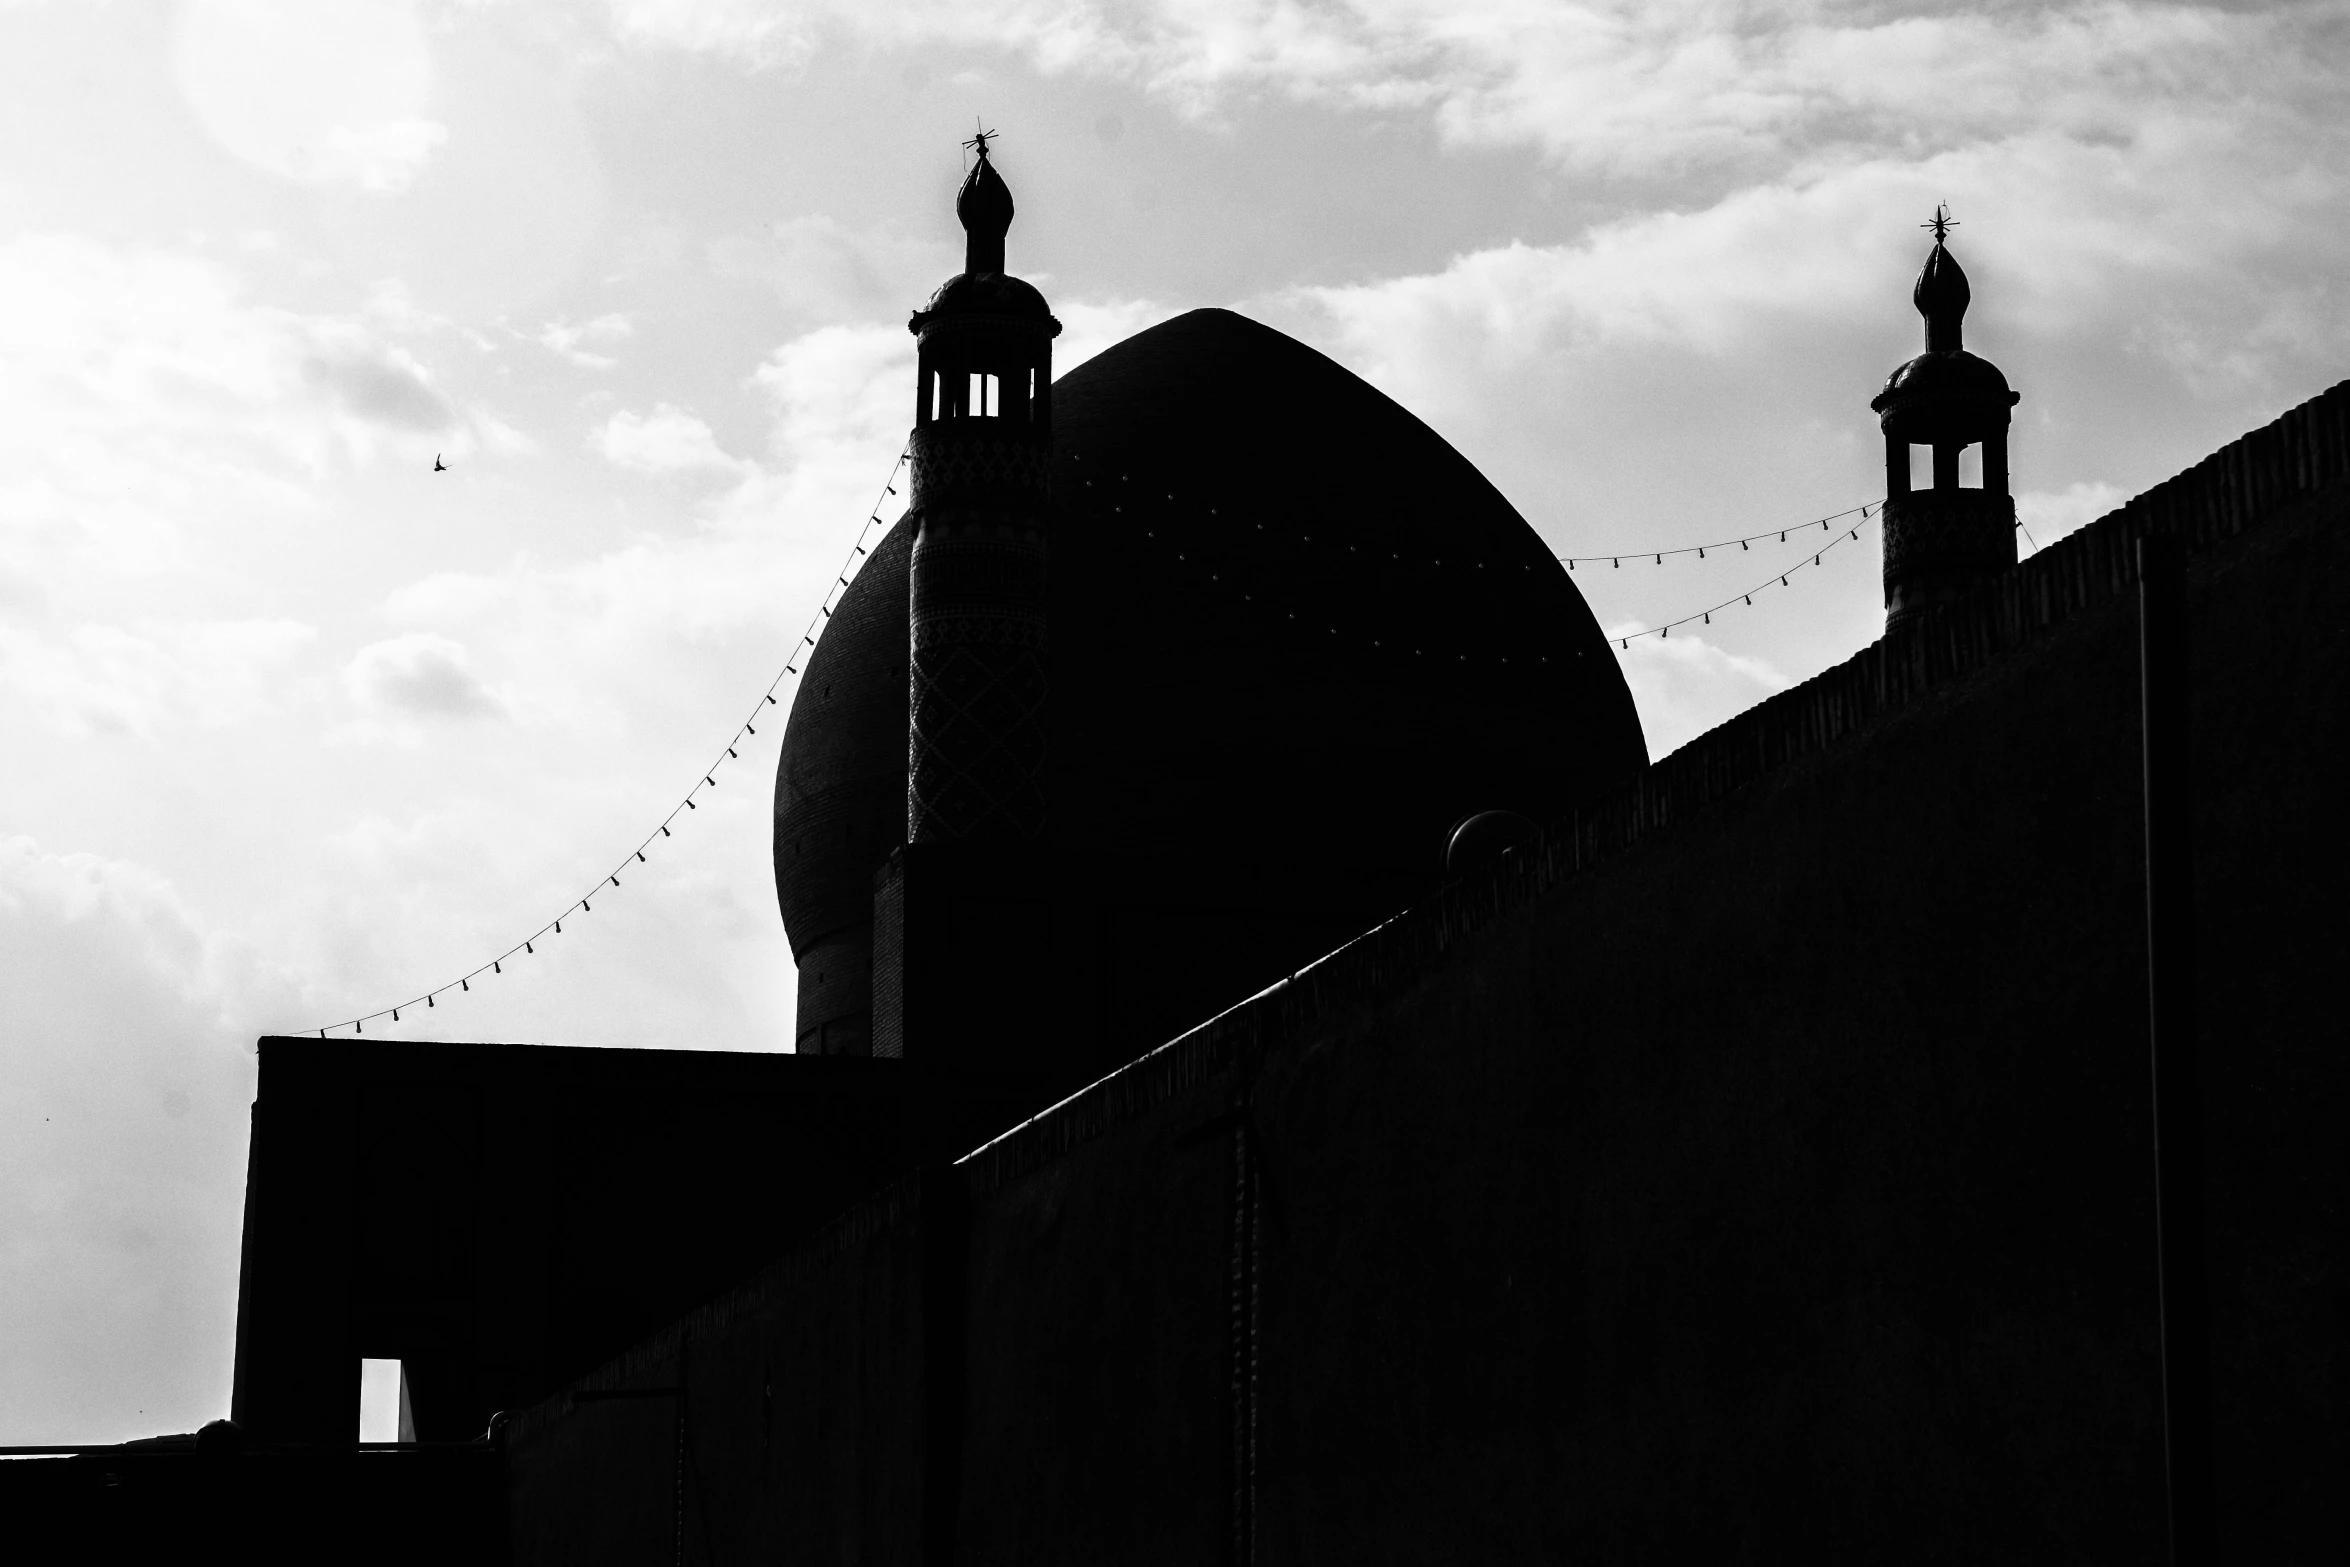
x=384 y=157
x=159 y=432
x=146 y=393
x=109 y=679
x=322 y=91
x=830 y=271
x=122 y=1144
x=419 y=675
x=561 y=337
x=2049 y=515
x=1089 y=326
x=584 y=646
x=1620 y=86
x=1685 y=685
x=667 y=440
x=756 y=31
x=377 y=382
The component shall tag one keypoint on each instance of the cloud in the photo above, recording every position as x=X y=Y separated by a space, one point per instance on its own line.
x=829 y=271
x=668 y=440
x=321 y=91
x=160 y=436
x=147 y=391
x=419 y=675
x=122 y=1143
x=590 y=646
x=378 y=383
x=760 y=33
x=109 y=679
x=1089 y=326
x=561 y=337
x=2049 y=515
x=1685 y=685
x=1622 y=87
x=384 y=157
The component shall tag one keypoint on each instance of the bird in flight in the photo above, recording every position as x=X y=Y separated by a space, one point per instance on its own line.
x=439 y=466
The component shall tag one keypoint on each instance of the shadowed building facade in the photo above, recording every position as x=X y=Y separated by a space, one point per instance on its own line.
x=1183 y=1163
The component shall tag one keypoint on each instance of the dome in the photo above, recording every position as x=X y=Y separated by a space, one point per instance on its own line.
x=1946 y=396
x=1295 y=638
x=984 y=293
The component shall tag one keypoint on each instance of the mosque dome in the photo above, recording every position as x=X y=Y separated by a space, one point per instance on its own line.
x=1294 y=639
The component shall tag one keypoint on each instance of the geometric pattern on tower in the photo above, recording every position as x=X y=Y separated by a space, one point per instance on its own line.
x=976 y=744
x=965 y=461
x=1941 y=543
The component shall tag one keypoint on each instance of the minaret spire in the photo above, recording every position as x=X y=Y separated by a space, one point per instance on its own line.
x=1942 y=543
x=984 y=205
x=1941 y=294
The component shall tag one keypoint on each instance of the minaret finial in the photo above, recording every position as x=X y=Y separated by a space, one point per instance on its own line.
x=1941 y=293
x=985 y=207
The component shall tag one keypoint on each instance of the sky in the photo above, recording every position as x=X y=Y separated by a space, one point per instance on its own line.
x=294 y=727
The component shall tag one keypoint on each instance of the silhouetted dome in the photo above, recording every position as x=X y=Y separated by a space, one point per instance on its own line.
x=1295 y=638
x=1949 y=396
x=840 y=785
x=991 y=293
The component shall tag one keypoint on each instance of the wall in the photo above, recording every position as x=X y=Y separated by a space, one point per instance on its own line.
x=162 y=1499
x=504 y=1218
x=1758 y=1170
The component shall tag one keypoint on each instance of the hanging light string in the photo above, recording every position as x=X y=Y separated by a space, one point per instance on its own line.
x=1659 y=557
x=1867 y=512
x=1625 y=639
x=708 y=779
x=1874 y=511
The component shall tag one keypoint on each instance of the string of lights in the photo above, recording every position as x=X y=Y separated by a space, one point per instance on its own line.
x=708 y=779
x=1625 y=639
x=1873 y=511
x=1867 y=512
x=1659 y=557
x=610 y=880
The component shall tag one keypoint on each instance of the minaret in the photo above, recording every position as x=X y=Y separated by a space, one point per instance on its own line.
x=982 y=450
x=1943 y=543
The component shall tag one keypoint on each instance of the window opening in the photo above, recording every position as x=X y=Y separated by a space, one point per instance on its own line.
x=383 y=1403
